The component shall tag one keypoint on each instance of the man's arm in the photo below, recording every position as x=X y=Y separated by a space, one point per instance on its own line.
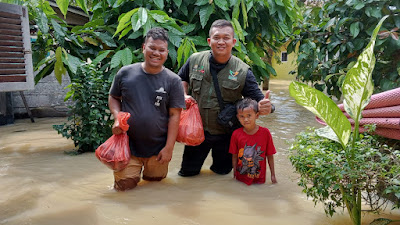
x=184 y=75
x=114 y=104
x=251 y=90
x=165 y=154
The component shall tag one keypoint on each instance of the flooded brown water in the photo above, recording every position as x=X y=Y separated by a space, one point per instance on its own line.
x=40 y=185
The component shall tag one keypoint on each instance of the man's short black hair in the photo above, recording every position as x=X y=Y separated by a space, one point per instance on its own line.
x=157 y=33
x=221 y=24
x=247 y=102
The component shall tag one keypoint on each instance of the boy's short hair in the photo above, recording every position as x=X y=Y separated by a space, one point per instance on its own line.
x=247 y=102
x=157 y=33
x=221 y=24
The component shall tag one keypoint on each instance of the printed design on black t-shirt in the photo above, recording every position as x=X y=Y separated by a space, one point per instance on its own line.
x=249 y=161
x=159 y=96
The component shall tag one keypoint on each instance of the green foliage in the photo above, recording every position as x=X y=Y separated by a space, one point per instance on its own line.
x=120 y=25
x=350 y=159
x=325 y=174
x=332 y=36
x=89 y=123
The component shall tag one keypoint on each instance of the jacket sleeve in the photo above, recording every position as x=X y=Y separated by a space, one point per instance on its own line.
x=251 y=89
x=184 y=71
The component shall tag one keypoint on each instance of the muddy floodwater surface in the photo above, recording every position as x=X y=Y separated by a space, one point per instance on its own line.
x=40 y=185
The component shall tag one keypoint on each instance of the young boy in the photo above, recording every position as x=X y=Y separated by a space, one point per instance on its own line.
x=251 y=145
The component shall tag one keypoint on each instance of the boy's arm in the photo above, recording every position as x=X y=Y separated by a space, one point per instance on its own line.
x=272 y=168
x=234 y=163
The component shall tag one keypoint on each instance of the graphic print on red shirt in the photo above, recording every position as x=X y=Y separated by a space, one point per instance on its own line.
x=252 y=151
x=249 y=161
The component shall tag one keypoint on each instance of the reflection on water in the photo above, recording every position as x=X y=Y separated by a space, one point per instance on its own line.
x=40 y=185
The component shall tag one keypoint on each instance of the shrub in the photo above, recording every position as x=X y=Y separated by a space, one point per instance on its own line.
x=89 y=123
x=324 y=170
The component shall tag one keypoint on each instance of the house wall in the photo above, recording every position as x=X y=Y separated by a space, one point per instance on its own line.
x=283 y=68
x=45 y=100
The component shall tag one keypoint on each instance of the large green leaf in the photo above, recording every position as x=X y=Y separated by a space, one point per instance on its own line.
x=244 y=14
x=238 y=29
x=63 y=6
x=71 y=61
x=327 y=132
x=173 y=27
x=358 y=87
x=100 y=57
x=58 y=28
x=199 y=40
x=106 y=38
x=323 y=107
x=172 y=53
x=159 y=16
x=205 y=13
x=143 y=16
x=355 y=29
x=47 y=8
x=117 y=59
x=159 y=3
x=235 y=12
x=178 y=3
x=181 y=51
x=139 y=19
x=188 y=28
x=42 y=22
x=126 y=57
x=46 y=70
x=257 y=59
x=124 y=20
x=222 y=4
x=135 y=21
x=82 y=4
x=59 y=68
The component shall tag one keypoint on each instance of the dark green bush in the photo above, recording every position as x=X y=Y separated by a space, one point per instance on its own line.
x=325 y=173
x=89 y=123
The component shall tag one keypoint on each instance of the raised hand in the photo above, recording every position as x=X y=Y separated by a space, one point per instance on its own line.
x=264 y=106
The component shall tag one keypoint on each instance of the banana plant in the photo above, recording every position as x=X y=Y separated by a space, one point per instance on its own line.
x=357 y=90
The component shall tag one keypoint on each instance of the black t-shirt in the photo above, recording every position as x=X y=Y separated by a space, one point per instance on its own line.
x=148 y=98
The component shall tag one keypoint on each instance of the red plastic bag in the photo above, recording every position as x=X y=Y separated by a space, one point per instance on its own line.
x=191 y=130
x=115 y=152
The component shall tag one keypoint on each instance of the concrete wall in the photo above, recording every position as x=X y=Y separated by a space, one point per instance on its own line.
x=45 y=100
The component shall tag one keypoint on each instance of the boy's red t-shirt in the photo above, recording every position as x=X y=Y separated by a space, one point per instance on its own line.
x=252 y=151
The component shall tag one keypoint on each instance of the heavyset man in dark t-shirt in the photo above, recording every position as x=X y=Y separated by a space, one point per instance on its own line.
x=154 y=97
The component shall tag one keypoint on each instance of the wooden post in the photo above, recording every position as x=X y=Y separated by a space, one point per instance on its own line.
x=26 y=106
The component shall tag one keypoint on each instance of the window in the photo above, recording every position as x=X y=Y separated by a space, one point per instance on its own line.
x=283 y=56
x=16 y=70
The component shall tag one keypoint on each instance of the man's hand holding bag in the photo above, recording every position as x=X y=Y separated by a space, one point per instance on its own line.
x=115 y=152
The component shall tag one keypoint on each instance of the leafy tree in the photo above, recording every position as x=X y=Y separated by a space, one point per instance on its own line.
x=116 y=29
x=332 y=36
x=258 y=25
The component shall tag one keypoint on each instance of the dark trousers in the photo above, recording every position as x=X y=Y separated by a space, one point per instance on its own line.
x=194 y=156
